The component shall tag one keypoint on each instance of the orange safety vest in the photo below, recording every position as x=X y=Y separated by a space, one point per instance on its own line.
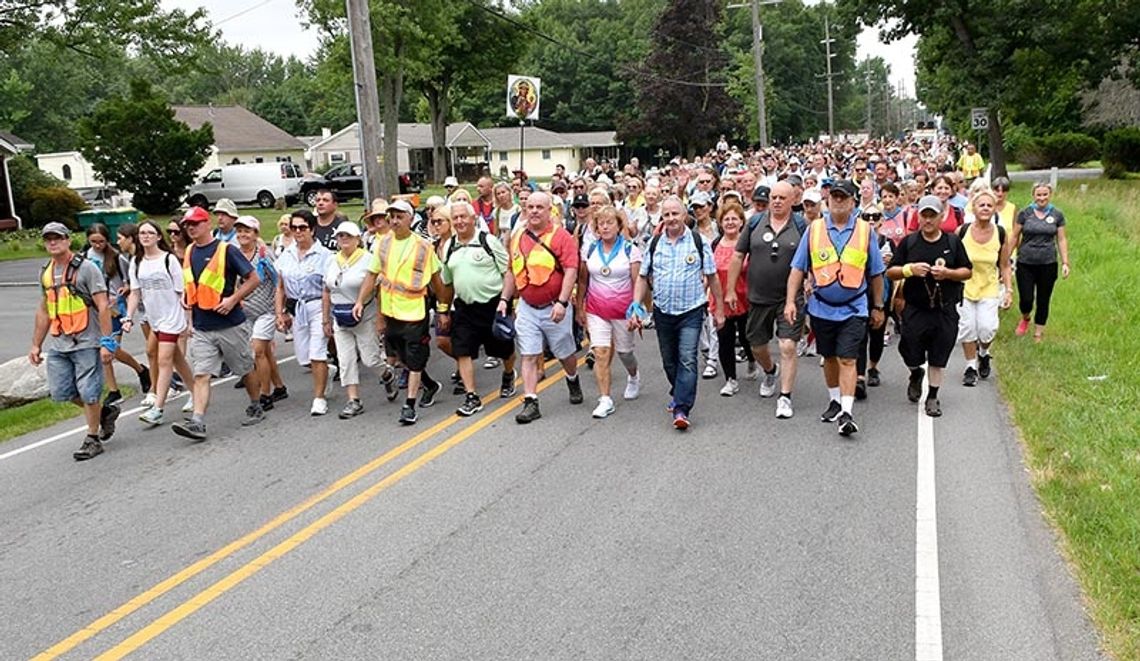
x=206 y=293
x=413 y=284
x=536 y=267
x=67 y=309
x=829 y=265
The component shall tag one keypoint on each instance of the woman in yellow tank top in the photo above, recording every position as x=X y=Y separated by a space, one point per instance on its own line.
x=987 y=289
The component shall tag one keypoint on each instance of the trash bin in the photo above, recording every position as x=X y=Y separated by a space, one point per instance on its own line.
x=112 y=218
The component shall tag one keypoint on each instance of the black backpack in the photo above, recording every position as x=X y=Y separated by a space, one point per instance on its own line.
x=698 y=241
x=454 y=245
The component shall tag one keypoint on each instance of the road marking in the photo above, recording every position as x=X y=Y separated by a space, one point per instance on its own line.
x=190 y=606
x=108 y=620
x=927 y=599
x=138 y=409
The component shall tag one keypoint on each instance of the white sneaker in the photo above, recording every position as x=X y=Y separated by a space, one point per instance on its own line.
x=768 y=382
x=149 y=400
x=188 y=407
x=320 y=406
x=731 y=387
x=710 y=371
x=784 y=407
x=753 y=371
x=632 y=387
x=152 y=416
x=333 y=371
x=604 y=408
x=491 y=363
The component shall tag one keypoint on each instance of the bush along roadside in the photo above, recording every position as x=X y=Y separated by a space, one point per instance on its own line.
x=1121 y=152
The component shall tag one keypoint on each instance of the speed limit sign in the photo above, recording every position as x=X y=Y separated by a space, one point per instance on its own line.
x=979 y=119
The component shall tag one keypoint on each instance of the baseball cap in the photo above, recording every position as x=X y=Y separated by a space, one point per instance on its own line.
x=580 y=201
x=450 y=182
x=795 y=180
x=732 y=193
x=401 y=205
x=761 y=193
x=843 y=187
x=503 y=328
x=813 y=195
x=56 y=228
x=226 y=206
x=699 y=199
x=930 y=203
x=248 y=221
x=347 y=227
x=196 y=215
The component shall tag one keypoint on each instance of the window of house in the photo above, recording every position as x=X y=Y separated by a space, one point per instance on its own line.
x=336 y=157
x=259 y=160
x=546 y=154
x=502 y=156
x=66 y=172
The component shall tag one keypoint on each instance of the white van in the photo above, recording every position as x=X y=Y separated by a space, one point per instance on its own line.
x=264 y=183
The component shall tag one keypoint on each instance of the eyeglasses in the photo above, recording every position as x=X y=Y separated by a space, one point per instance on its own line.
x=148 y=233
x=438 y=221
x=872 y=217
x=299 y=228
x=704 y=181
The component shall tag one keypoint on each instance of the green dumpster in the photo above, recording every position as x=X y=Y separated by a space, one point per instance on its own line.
x=112 y=218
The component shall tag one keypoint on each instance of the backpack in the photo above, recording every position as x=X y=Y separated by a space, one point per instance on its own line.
x=626 y=245
x=698 y=241
x=452 y=246
x=798 y=221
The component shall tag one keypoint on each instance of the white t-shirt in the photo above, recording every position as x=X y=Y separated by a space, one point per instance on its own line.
x=159 y=282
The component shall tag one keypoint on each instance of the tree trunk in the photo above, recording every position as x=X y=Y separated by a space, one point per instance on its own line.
x=391 y=93
x=997 y=147
x=439 y=108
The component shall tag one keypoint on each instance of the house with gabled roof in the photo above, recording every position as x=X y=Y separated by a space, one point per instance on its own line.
x=241 y=136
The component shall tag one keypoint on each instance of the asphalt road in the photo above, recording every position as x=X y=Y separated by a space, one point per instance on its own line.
x=743 y=538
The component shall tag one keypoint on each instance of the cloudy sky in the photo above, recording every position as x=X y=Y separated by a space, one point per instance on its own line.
x=273 y=25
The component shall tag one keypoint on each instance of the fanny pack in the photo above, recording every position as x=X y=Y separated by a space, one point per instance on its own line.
x=342 y=313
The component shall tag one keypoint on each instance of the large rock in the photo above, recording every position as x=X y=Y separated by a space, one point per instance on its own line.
x=20 y=383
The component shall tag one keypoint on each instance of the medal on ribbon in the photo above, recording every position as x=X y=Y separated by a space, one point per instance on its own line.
x=606 y=259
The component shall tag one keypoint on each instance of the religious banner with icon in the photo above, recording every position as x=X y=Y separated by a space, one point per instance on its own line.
x=522 y=97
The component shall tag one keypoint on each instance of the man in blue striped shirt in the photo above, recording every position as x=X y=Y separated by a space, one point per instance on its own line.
x=679 y=267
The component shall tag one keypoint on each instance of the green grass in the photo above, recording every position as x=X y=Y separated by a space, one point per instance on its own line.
x=1076 y=400
x=20 y=420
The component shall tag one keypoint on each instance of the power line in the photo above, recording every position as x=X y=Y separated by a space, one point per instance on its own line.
x=243 y=12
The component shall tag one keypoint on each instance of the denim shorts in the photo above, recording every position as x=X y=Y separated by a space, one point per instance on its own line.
x=75 y=374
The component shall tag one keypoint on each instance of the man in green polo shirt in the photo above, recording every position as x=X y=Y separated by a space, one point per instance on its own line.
x=473 y=265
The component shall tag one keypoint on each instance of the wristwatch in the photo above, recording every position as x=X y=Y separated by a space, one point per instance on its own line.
x=880 y=308
x=564 y=304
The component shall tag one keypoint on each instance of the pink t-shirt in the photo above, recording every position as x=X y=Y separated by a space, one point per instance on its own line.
x=610 y=293
x=725 y=251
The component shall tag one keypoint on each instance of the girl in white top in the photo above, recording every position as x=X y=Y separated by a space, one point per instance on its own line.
x=156 y=281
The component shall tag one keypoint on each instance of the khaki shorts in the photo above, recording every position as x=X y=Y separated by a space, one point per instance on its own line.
x=764 y=319
x=208 y=349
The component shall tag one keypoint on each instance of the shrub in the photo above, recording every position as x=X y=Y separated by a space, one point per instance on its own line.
x=56 y=204
x=1121 y=152
x=26 y=177
x=1015 y=137
x=1058 y=150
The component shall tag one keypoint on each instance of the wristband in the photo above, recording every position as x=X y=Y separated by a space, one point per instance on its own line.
x=635 y=309
x=907 y=270
x=109 y=343
x=442 y=308
x=565 y=304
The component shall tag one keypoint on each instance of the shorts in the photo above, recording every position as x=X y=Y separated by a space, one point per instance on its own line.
x=471 y=328
x=839 y=339
x=309 y=341
x=167 y=338
x=607 y=332
x=75 y=375
x=762 y=319
x=978 y=320
x=409 y=340
x=264 y=327
x=928 y=336
x=533 y=326
x=209 y=348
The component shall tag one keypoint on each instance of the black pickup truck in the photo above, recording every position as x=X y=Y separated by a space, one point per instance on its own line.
x=347 y=182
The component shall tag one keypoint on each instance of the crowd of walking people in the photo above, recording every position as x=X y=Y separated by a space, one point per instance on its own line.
x=831 y=250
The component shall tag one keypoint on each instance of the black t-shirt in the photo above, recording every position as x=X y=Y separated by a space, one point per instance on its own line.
x=236 y=266
x=326 y=234
x=926 y=293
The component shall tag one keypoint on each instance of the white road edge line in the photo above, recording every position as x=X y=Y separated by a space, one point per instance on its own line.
x=138 y=409
x=927 y=598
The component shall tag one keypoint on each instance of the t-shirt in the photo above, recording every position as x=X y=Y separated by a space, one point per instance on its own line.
x=611 y=286
x=158 y=280
x=951 y=220
x=1039 y=235
x=565 y=250
x=237 y=266
x=89 y=280
x=476 y=276
x=925 y=293
x=768 y=277
x=985 y=280
x=115 y=281
x=344 y=283
x=326 y=234
x=723 y=255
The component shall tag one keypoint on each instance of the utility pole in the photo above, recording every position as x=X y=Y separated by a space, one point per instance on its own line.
x=827 y=41
x=758 y=63
x=868 y=78
x=367 y=97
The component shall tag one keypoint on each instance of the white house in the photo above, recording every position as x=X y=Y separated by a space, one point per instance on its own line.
x=543 y=149
x=241 y=136
x=466 y=146
x=71 y=167
x=10 y=145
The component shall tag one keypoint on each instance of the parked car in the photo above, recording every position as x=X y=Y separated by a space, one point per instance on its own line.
x=347 y=182
x=263 y=183
x=100 y=197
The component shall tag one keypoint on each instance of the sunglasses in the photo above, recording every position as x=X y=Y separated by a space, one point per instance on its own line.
x=774 y=253
x=299 y=228
x=438 y=221
x=704 y=181
x=873 y=216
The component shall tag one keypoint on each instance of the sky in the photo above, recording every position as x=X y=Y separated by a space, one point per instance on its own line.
x=274 y=26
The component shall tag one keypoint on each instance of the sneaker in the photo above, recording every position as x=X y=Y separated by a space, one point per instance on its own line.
x=604 y=408
x=226 y=372
x=253 y=415
x=176 y=383
x=352 y=408
x=279 y=393
x=289 y=336
x=455 y=378
x=784 y=407
x=873 y=377
x=266 y=402
x=492 y=362
x=1022 y=327
x=590 y=359
x=240 y=383
x=710 y=372
x=984 y=367
x=470 y=406
x=632 y=387
x=970 y=377
x=529 y=412
x=107 y=417
x=914 y=386
x=741 y=355
x=680 y=421
x=188 y=407
x=193 y=430
x=860 y=389
x=408 y=415
x=388 y=380
x=768 y=382
x=403 y=382
x=333 y=371
x=144 y=379
x=933 y=407
x=320 y=406
x=152 y=416
x=753 y=372
x=575 y=388
x=458 y=389
x=832 y=412
x=428 y=393
x=149 y=400
x=113 y=398
x=731 y=387
x=90 y=449
x=507 y=386
x=846 y=424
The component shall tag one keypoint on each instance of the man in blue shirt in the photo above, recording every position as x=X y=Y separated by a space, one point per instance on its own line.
x=843 y=258
x=681 y=269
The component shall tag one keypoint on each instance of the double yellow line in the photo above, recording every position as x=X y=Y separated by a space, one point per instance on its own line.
x=172 y=617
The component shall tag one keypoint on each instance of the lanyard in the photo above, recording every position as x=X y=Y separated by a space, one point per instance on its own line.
x=606 y=259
